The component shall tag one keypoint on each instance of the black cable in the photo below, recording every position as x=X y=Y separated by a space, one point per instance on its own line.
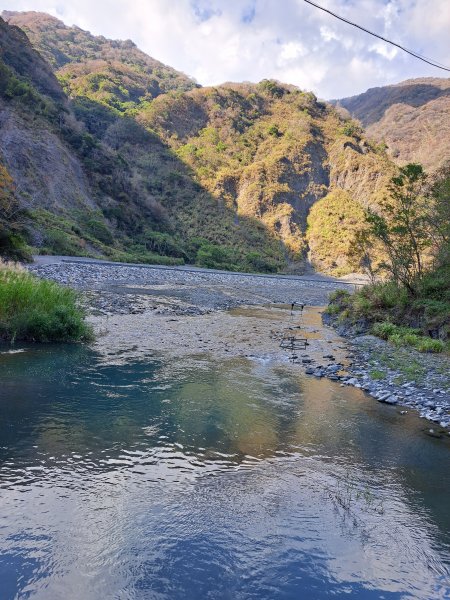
x=430 y=62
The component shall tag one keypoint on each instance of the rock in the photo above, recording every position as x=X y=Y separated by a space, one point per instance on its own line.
x=391 y=399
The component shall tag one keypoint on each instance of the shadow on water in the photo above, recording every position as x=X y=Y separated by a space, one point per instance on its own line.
x=200 y=478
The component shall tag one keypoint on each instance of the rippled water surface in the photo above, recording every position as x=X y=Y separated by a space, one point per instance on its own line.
x=200 y=479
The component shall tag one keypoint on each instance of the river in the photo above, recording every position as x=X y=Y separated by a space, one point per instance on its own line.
x=240 y=478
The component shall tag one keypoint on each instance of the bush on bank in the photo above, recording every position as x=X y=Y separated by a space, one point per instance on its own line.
x=37 y=310
x=386 y=310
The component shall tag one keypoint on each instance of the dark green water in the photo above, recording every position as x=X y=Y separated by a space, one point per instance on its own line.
x=218 y=480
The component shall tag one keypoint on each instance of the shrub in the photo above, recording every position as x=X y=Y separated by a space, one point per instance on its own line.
x=37 y=310
x=215 y=257
x=425 y=344
x=339 y=295
x=333 y=309
x=256 y=262
x=385 y=296
x=352 y=129
x=384 y=330
x=407 y=336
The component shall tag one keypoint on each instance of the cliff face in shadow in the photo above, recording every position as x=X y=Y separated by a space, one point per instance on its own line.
x=412 y=118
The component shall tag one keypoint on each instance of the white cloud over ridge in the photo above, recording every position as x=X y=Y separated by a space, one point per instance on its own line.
x=289 y=40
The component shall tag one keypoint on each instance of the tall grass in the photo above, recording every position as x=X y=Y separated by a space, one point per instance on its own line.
x=37 y=310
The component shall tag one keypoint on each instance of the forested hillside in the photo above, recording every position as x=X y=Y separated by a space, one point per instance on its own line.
x=412 y=118
x=108 y=152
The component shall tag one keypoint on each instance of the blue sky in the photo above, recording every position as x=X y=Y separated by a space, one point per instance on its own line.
x=248 y=40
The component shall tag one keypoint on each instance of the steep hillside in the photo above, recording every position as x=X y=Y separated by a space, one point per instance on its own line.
x=223 y=176
x=90 y=180
x=269 y=152
x=412 y=118
x=113 y=71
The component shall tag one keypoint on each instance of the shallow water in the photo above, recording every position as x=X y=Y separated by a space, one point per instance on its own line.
x=201 y=479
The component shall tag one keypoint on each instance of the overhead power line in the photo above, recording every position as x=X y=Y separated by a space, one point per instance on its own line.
x=423 y=58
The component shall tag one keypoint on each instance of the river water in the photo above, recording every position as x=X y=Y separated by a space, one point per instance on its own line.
x=207 y=479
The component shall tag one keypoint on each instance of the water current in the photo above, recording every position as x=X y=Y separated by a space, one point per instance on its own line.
x=211 y=479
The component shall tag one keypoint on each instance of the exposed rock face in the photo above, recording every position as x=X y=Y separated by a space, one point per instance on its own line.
x=358 y=170
x=47 y=173
x=412 y=118
x=17 y=53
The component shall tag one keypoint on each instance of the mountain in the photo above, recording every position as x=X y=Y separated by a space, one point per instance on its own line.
x=111 y=70
x=111 y=153
x=412 y=118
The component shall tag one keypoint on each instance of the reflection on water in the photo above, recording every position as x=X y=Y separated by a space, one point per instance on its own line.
x=209 y=479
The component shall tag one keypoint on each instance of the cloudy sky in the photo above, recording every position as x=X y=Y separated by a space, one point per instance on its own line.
x=248 y=40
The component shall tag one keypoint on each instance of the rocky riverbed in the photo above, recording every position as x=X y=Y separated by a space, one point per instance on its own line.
x=139 y=310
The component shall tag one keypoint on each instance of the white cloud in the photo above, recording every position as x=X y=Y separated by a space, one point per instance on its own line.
x=292 y=51
x=328 y=34
x=385 y=50
x=248 y=40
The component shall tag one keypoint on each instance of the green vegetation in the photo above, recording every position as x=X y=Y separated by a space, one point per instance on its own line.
x=37 y=310
x=352 y=129
x=335 y=226
x=377 y=374
x=386 y=310
x=12 y=243
x=411 y=307
x=400 y=360
x=407 y=336
x=403 y=224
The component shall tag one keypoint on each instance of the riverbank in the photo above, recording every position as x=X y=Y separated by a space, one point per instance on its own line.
x=138 y=310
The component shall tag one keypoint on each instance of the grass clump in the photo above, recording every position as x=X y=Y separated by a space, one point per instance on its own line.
x=37 y=310
x=407 y=336
x=376 y=374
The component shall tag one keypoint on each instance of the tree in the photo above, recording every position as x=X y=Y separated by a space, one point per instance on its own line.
x=404 y=226
x=440 y=196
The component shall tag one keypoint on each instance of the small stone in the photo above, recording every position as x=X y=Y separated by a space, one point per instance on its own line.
x=391 y=399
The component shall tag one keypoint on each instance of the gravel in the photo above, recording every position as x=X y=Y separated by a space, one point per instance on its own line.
x=206 y=290
x=373 y=365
